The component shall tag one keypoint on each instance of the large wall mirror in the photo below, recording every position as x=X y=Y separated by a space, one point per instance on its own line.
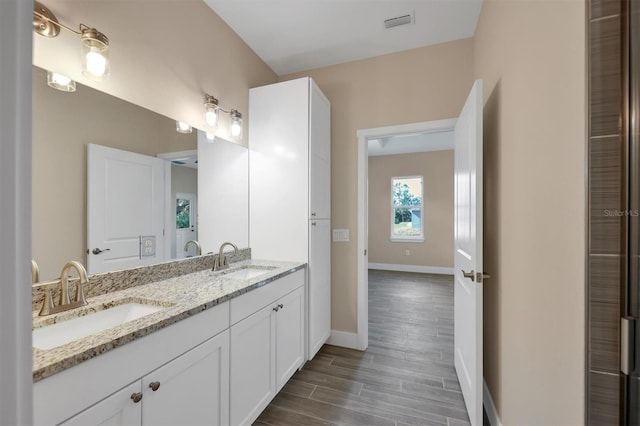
x=205 y=199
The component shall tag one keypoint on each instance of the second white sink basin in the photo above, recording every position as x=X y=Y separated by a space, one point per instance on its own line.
x=248 y=272
x=55 y=335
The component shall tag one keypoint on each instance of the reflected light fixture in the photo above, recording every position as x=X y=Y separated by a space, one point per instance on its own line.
x=211 y=110
x=182 y=127
x=60 y=82
x=94 y=44
x=236 y=124
x=211 y=137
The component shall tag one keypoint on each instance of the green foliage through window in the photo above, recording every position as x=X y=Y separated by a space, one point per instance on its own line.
x=407 y=207
x=183 y=213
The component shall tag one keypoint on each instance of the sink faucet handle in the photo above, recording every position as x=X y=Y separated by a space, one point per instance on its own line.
x=47 y=304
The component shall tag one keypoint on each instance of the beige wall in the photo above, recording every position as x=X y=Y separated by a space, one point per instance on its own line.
x=63 y=124
x=436 y=167
x=417 y=85
x=165 y=55
x=531 y=55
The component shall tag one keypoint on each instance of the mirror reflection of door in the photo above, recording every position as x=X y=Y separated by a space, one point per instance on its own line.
x=185 y=224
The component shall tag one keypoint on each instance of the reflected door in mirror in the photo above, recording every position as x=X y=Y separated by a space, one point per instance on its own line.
x=185 y=228
x=125 y=209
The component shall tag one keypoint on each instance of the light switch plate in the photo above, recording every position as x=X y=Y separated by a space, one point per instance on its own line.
x=340 y=235
x=147 y=246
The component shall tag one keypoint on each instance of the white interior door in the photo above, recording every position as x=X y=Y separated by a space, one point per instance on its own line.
x=125 y=209
x=468 y=252
x=185 y=224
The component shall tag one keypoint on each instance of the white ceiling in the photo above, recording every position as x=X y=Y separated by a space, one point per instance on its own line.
x=299 y=35
x=416 y=142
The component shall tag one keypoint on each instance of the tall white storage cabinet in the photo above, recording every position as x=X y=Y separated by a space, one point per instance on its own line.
x=290 y=189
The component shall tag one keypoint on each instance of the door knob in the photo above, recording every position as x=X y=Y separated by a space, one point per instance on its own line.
x=98 y=251
x=471 y=274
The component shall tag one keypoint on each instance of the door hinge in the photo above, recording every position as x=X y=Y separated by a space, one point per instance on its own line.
x=627 y=344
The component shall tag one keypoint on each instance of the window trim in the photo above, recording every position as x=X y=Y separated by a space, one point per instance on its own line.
x=407 y=238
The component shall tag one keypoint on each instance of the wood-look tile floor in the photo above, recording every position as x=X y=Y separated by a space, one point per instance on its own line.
x=405 y=377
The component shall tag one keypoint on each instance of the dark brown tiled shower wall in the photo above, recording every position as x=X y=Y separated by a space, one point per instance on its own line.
x=607 y=197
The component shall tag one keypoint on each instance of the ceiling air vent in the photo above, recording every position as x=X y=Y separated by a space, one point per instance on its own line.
x=399 y=20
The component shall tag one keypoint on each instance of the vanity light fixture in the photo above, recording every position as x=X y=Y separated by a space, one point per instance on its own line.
x=182 y=127
x=94 y=47
x=211 y=111
x=236 y=124
x=211 y=137
x=60 y=82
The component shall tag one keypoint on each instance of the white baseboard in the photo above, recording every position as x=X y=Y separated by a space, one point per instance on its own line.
x=344 y=339
x=489 y=406
x=412 y=268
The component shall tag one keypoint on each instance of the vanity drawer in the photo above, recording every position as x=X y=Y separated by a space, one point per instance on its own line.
x=251 y=302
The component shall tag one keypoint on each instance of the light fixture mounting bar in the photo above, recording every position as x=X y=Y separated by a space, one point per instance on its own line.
x=45 y=22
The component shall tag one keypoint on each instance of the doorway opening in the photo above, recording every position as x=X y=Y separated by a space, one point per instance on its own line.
x=389 y=139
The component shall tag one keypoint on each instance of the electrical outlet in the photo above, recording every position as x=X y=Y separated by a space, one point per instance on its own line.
x=407 y=252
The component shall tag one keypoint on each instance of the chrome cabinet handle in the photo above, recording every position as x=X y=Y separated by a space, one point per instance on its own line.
x=137 y=397
x=98 y=251
x=471 y=274
x=154 y=386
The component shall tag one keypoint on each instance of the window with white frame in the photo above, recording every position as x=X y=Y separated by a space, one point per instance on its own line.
x=406 y=208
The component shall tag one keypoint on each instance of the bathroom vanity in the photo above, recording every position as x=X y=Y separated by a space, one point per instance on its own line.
x=215 y=349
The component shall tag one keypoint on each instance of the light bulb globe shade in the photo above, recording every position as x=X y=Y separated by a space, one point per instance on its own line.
x=182 y=127
x=236 y=124
x=211 y=117
x=96 y=63
x=60 y=82
x=236 y=129
x=95 y=54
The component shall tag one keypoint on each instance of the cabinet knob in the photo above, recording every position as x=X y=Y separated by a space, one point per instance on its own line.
x=313 y=214
x=154 y=386
x=281 y=306
x=314 y=223
x=277 y=308
x=137 y=397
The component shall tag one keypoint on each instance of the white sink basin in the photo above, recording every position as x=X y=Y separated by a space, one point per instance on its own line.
x=55 y=335
x=247 y=272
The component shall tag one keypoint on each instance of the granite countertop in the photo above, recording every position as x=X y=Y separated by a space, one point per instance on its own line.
x=181 y=297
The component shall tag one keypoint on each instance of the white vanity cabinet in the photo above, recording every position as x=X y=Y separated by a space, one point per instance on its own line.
x=190 y=390
x=190 y=359
x=267 y=347
x=218 y=367
x=290 y=188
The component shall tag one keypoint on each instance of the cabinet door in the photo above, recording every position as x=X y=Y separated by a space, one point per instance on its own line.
x=115 y=410
x=193 y=388
x=319 y=155
x=320 y=191
x=253 y=366
x=289 y=335
x=319 y=322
